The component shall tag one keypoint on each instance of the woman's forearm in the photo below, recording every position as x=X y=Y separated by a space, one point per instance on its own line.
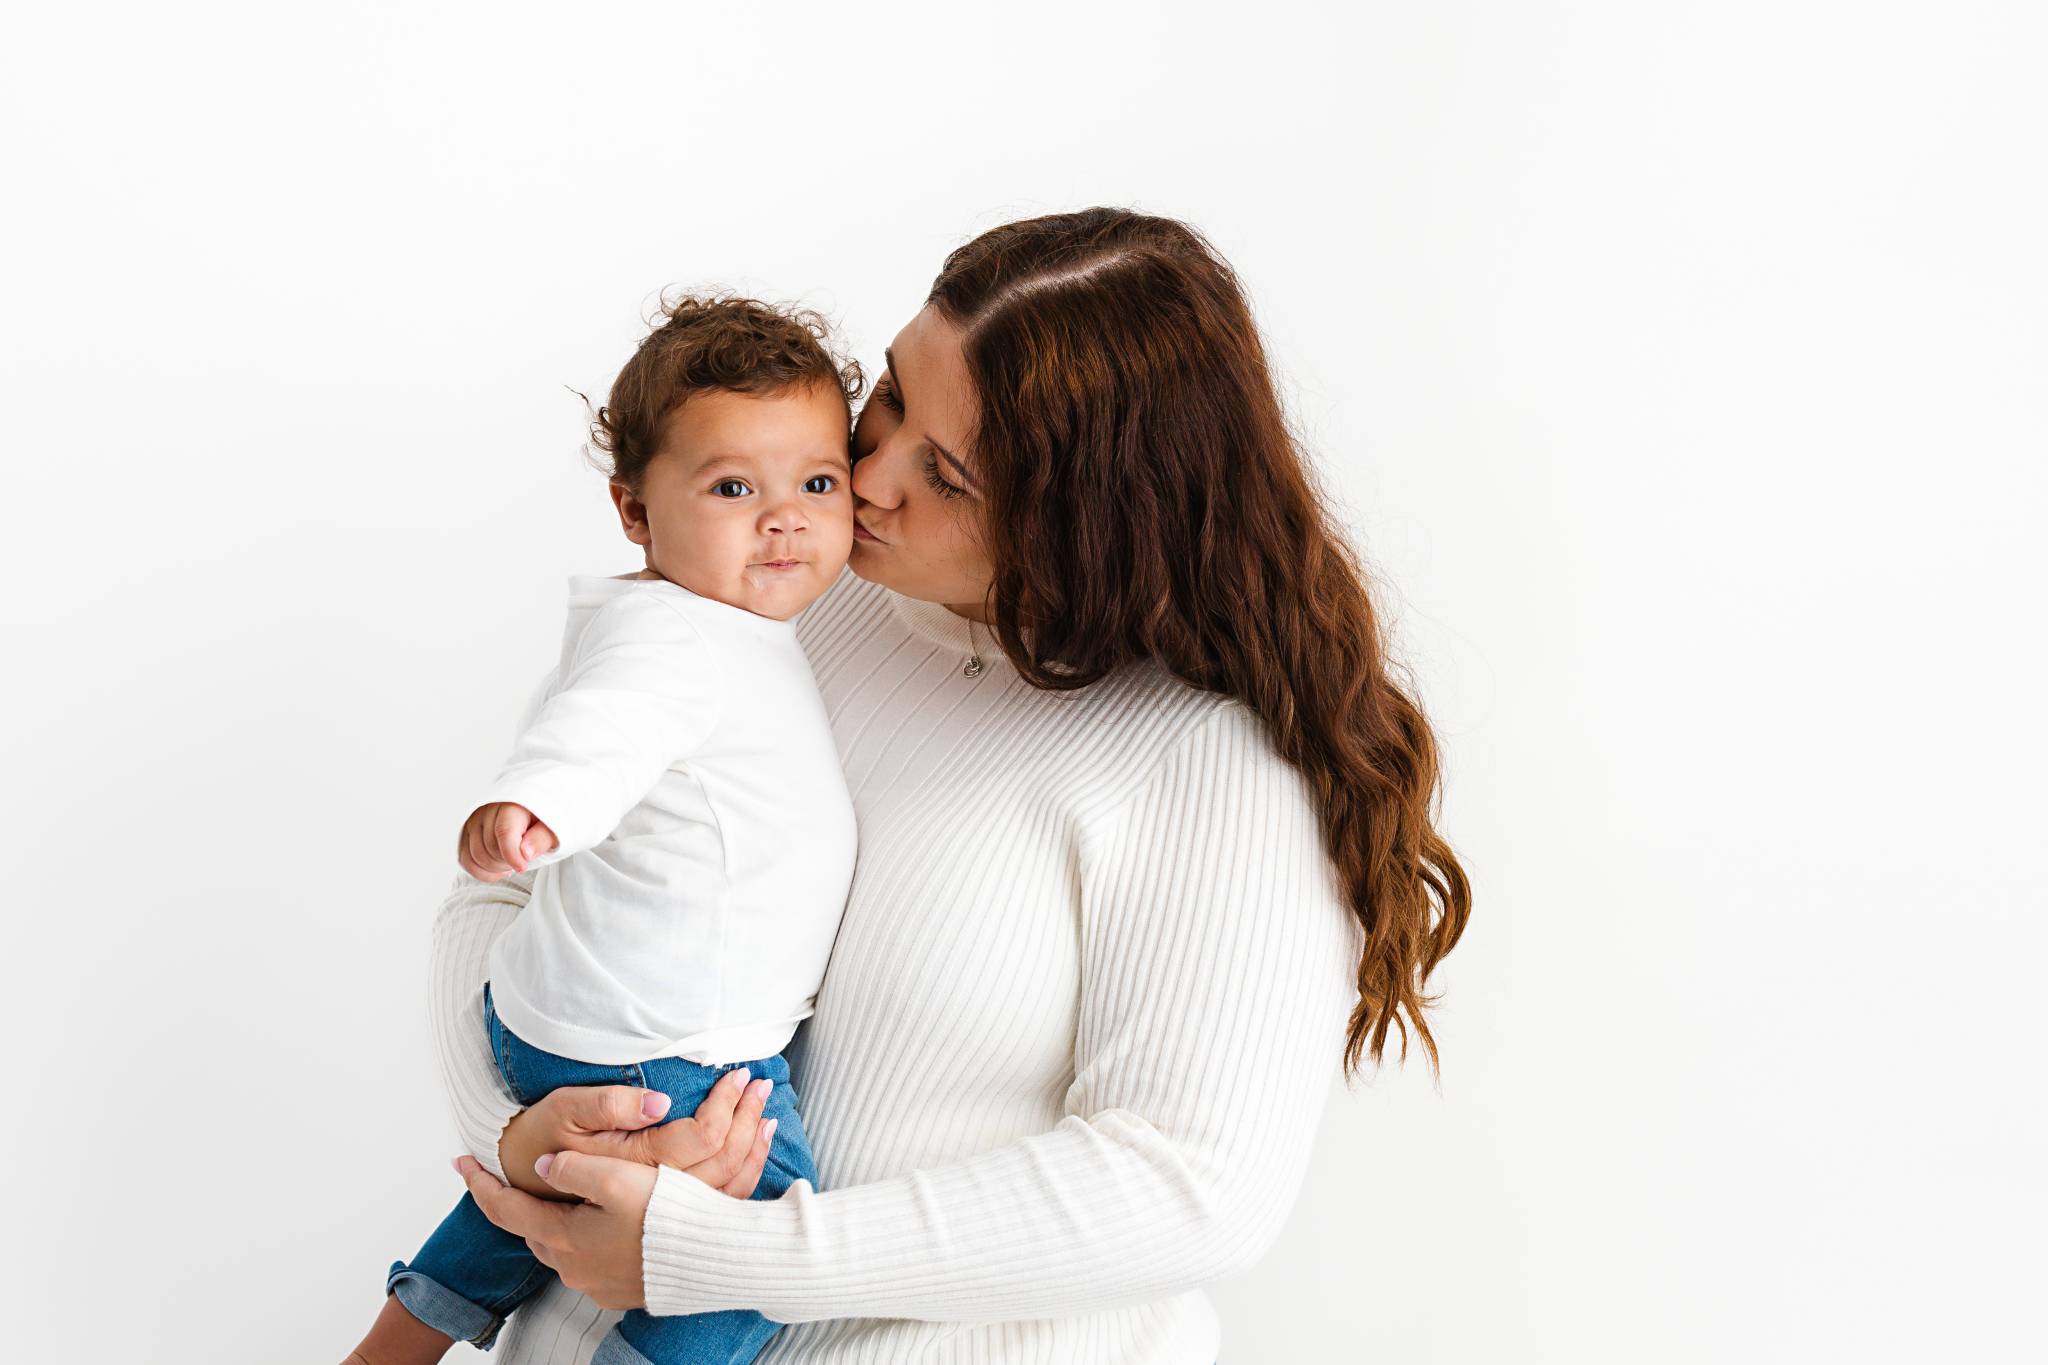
x=470 y=919
x=1098 y=1213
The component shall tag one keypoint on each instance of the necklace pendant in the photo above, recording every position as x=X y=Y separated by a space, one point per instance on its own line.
x=973 y=669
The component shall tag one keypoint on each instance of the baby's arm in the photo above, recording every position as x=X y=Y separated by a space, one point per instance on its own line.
x=642 y=690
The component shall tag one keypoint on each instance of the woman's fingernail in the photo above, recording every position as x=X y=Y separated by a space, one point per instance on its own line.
x=740 y=1072
x=654 y=1105
x=768 y=1129
x=541 y=1164
x=455 y=1164
x=763 y=1086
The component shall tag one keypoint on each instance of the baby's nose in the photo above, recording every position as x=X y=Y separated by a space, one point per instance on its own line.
x=785 y=516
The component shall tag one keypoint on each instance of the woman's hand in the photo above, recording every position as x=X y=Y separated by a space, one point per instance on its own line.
x=724 y=1144
x=595 y=1245
x=606 y=1159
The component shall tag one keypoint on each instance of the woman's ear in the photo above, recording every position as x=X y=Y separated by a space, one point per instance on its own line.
x=632 y=514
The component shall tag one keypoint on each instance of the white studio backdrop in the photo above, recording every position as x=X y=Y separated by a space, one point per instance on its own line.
x=1679 y=368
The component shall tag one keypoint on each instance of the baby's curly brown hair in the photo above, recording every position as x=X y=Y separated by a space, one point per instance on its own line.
x=707 y=342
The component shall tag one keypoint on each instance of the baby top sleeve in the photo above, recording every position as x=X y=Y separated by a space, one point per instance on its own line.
x=638 y=690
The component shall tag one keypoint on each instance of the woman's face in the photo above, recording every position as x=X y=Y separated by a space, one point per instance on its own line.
x=917 y=505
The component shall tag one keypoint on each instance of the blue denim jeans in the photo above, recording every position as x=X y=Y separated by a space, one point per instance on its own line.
x=471 y=1273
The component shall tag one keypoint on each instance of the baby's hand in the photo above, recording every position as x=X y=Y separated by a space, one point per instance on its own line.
x=502 y=838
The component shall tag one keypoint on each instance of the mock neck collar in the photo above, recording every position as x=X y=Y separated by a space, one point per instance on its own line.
x=946 y=628
x=938 y=624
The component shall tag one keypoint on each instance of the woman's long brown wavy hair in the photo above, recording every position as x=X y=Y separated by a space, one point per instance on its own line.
x=1146 y=498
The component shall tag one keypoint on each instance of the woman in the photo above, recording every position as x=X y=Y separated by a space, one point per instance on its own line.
x=1145 y=848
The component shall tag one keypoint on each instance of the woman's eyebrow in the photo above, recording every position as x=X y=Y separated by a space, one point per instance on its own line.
x=896 y=378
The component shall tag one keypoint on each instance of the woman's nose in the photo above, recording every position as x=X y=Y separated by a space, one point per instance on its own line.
x=876 y=478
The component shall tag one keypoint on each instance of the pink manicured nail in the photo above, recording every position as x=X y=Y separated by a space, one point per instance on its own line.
x=763 y=1086
x=740 y=1072
x=455 y=1164
x=768 y=1129
x=541 y=1164
x=654 y=1105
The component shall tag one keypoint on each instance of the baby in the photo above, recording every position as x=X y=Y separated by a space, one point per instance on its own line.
x=676 y=785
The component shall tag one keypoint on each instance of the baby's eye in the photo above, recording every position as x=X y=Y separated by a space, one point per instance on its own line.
x=731 y=488
x=820 y=483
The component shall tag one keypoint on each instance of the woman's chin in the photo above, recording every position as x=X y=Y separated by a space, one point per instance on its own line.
x=863 y=560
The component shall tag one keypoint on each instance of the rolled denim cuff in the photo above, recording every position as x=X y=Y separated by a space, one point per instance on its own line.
x=442 y=1309
x=616 y=1350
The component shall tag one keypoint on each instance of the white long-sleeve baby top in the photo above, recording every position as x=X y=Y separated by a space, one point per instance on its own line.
x=682 y=755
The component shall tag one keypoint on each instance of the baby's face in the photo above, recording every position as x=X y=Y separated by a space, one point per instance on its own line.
x=747 y=501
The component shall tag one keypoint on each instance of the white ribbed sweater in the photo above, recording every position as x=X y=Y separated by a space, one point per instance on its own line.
x=1081 y=1018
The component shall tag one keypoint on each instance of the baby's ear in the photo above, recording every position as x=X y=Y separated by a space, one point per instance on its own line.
x=632 y=514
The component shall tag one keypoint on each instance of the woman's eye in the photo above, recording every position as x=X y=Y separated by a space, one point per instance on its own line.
x=730 y=488
x=937 y=481
x=820 y=483
x=885 y=394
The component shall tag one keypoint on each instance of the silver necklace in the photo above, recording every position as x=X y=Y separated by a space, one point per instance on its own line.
x=973 y=669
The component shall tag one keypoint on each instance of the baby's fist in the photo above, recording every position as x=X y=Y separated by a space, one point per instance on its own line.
x=502 y=838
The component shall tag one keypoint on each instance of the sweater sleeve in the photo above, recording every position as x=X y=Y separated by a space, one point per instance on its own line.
x=472 y=915
x=1217 y=976
x=642 y=691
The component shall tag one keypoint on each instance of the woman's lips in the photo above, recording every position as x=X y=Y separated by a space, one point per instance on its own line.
x=861 y=532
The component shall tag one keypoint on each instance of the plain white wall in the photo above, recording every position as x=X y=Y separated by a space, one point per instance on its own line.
x=1678 y=366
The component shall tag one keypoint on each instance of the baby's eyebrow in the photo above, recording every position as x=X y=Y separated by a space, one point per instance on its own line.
x=711 y=464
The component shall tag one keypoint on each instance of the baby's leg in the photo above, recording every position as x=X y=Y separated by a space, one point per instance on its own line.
x=399 y=1338
x=732 y=1336
x=468 y=1276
